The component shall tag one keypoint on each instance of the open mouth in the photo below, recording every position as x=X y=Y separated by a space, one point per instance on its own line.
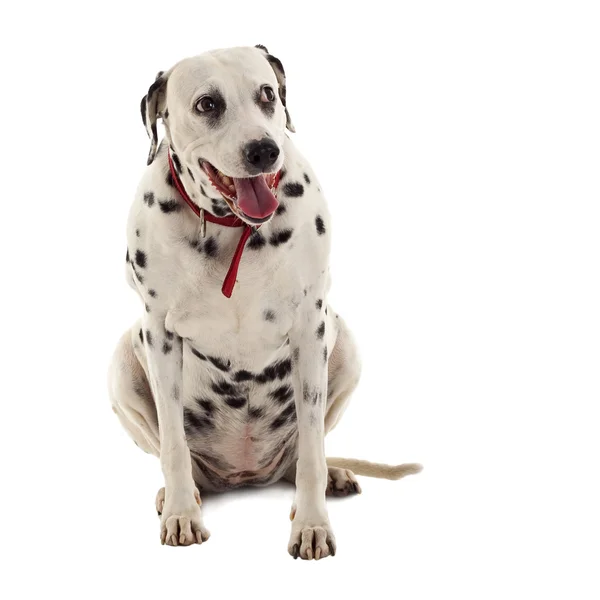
x=252 y=198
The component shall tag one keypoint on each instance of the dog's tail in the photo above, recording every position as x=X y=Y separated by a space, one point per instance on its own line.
x=378 y=470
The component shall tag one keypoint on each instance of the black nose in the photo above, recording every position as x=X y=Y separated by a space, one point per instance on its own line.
x=261 y=154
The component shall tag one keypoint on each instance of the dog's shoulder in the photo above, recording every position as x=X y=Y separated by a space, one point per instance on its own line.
x=156 y=230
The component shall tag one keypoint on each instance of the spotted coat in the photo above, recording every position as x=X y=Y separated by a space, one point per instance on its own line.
x=236 y=354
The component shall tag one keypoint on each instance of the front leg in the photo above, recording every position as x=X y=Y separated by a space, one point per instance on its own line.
x=311 y=536
x=181 y=519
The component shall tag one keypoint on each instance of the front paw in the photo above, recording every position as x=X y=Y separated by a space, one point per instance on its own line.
x=310 y=541
x=181 y=520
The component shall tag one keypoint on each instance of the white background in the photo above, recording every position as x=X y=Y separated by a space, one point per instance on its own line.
x=458 y=145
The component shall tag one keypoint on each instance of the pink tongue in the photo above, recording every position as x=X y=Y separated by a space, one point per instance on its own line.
x=254 y=197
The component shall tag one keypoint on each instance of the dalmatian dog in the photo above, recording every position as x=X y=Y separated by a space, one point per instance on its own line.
x=238 y=367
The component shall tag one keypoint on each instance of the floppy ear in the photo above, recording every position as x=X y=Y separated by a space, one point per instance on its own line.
x=280 y=74
x=152 y=107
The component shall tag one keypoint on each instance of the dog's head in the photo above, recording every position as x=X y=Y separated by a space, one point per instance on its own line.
x=225 y=116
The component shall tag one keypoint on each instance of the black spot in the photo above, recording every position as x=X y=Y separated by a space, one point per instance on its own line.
x=219 y=208
x=201 y=187
x=321 y=330
x=280 y=237
x=243 y=375
x=141 y=334
x=166 y=347
x=278 y=370
x=269 y=315
x=143 y=110
x=296 y=354
x=207 y=405
x=147 y=308
x=140 y=259
x=235 y=401
x=325 y=354
x=224 y=388
x=169 y=179
x=282 y=174
x=177 y=163
x=293 y=189
x=149 y=198
x=152 y=293
x=282 y=394
x=194 y=421
x=319 y=304
x=169 y=334
x=284 y=368
x=256 y=240
x=149 y=338
x=127 y=256
x=221 y=365
x=255 y=412
x=198 y=354
x=210 y=247
x=278 y=422
x=280 y=209
x=320 y=225
x=137 y=233
x=306 y=178
x=310 y=396
x=169 y=206
x=305 y=291
x=191 y=174
x=286 y=415
x=166 y=114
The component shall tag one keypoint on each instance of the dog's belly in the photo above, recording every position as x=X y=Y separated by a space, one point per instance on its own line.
x=240 y=422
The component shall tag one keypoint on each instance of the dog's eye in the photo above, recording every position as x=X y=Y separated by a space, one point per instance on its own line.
x=205 y=104
x=267 y=94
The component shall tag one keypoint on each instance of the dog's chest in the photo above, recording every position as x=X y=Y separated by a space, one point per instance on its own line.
x=238 y=394
x=250 y=327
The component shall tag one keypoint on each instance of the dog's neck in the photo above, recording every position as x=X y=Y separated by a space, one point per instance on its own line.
x=174 y=178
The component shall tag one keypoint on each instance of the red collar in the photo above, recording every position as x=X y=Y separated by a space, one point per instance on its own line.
x=230 y=221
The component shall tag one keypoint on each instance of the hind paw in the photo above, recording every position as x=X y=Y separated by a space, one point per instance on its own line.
x=341 y=482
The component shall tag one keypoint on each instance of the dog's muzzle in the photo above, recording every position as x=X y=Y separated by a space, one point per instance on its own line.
x=252 y=198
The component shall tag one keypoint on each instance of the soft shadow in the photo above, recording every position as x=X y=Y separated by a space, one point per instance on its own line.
x=280 y=489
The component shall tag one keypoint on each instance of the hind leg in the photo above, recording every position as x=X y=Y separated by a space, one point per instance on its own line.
x=130 y=395
x=133 y=403
x=343 y=371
